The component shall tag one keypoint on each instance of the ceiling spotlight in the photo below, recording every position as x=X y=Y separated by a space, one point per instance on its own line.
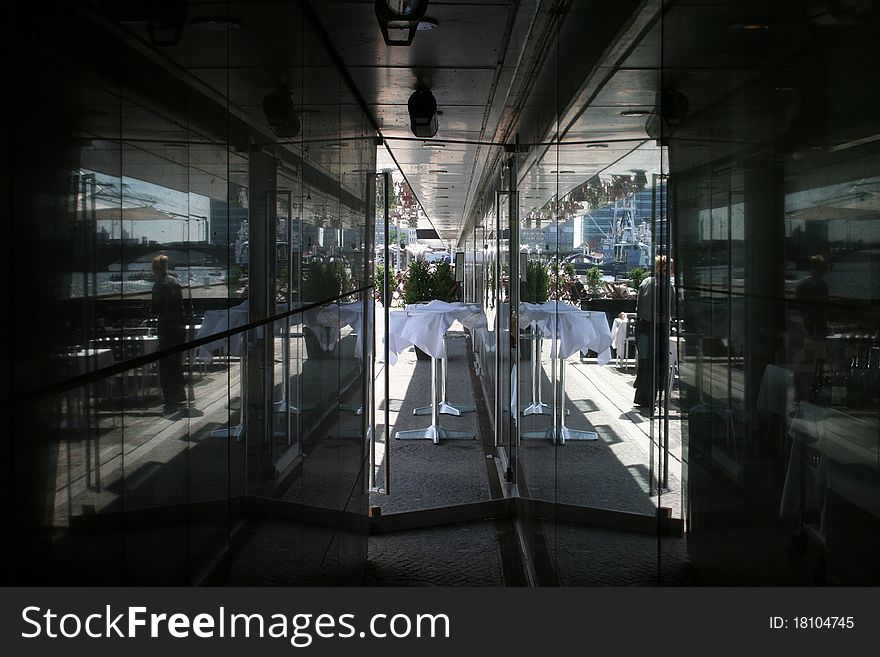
x=635 y=113
x=399 y=20
x=422 y=113
x=672 y=110
x=280 y=113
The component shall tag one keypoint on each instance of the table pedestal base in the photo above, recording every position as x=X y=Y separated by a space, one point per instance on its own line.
x=540 y=408
x=560 y=435
x=435 y=434
x=446 y=408
x=282 y=406
x=236 y=432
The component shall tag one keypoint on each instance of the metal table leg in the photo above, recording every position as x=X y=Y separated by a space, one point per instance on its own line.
x=237 y=431
x=561 y=432
x=558 y=433
x=445 y=407
x=434 y=432
x=537 y=407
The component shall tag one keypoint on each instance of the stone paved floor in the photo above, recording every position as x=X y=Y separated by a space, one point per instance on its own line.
x=617 y=472
x=425 y=475
x=454 y=555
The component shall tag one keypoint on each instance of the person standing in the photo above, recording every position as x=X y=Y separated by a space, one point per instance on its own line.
x=167 y=306
x=652 y=335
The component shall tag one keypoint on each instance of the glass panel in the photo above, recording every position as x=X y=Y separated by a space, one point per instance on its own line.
x=157 y=455
x=774 y=190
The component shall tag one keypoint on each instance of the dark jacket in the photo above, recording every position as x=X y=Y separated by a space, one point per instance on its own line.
x=167 y=302
x=654 y=301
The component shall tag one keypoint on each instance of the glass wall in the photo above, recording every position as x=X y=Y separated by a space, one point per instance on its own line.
x=192 y=209
x=589 y=184
x=774 y=188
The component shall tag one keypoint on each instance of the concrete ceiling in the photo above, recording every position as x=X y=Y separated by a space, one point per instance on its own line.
x=565 y=84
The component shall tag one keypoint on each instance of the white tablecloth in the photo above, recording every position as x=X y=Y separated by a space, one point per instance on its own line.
x=129 y=346
x=776 y=394
x=618 y=335
x=88 y=360
x=575 y=329
x=424 y=326
x=333 y=318
x=218 y=321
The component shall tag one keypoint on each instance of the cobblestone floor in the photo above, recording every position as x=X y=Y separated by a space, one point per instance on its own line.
x=455 y=555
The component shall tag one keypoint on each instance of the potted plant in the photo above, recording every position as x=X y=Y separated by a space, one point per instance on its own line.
x=594 y=281
x=417 y=283
x=535 y=289
x=636 y=276
x=610 y=298
x=322 y=281
x=418 y=287
x=442 y=282
x=379 y=284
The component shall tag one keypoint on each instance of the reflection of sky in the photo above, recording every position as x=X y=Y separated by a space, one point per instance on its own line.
x=188 y=213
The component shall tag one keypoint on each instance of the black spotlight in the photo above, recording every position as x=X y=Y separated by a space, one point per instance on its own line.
x=399 y=20
x=670 y=111
x=280 y=113
x=423 y=113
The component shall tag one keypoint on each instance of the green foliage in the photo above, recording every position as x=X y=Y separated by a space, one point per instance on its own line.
x=236 y=273
x=424 y=282
x=418 y=285
x=325 y=280
x=537 y=288
x=594 y=280
x=442 y=281
x=379 y=277
x=636 y=276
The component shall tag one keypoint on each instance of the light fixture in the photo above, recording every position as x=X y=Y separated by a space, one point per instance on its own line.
x=564 y=171
x=214 y=24
x=593 y=146
x=164 y=19
x=753 y=26
x=280 y=113
x=640 y=177
x=635 y=113
x=422 y=113
x=399 y=20
x=438 y=171
x=672 y=108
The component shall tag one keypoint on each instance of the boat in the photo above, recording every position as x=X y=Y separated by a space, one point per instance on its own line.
x=629 y=243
